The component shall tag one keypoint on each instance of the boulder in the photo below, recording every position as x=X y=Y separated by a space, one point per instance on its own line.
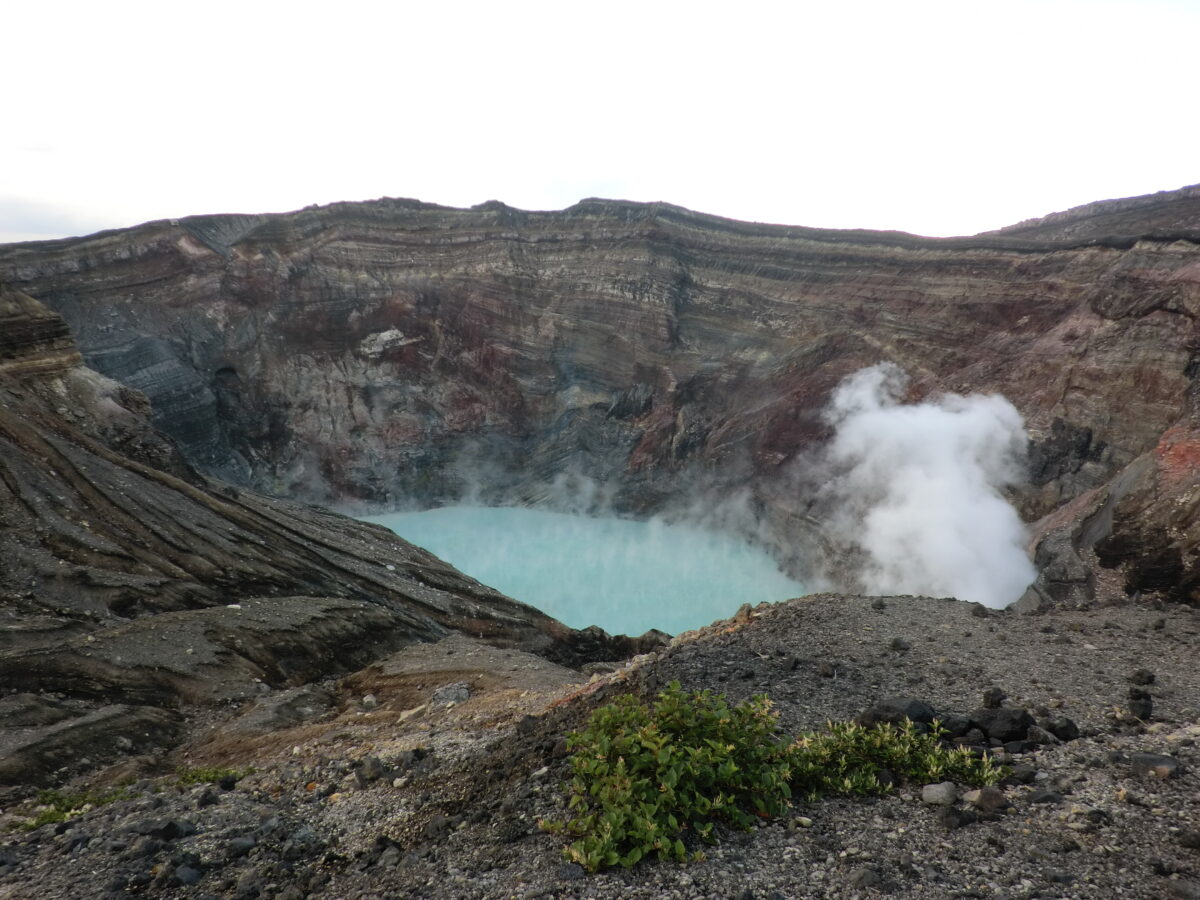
x=1004 y=724
x=1154 y=765
x=895 y=710
x=943 y=794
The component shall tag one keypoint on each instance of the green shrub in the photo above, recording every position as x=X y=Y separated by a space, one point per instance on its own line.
x=58 y=806
x=646 y=777
x=847 y=758
x=186 y=777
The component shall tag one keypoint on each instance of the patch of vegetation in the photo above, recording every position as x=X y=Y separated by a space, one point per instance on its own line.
x=187 y=777
x=59 y=806
x=652 y=780
x=848 y=759
x=646 y=777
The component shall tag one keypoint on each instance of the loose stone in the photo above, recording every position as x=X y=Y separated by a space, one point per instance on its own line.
x=1154 y=765
x=943 y=794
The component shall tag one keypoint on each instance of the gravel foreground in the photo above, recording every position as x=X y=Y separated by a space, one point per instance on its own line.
x=425 y=775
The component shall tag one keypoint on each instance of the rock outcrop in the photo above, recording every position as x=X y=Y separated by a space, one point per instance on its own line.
x=377 y=351
x=1165 y=216
x=398 y=352
x=127 y=578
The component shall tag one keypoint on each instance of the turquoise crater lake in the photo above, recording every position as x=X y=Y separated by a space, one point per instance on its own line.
x=625 y=576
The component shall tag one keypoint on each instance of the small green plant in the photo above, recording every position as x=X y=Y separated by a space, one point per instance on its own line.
x=186 y=777
x=648 y=780
x=647 y=777
x=59 y=806
x=847 y=759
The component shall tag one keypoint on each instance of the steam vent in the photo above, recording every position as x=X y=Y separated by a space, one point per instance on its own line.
x=977 y=459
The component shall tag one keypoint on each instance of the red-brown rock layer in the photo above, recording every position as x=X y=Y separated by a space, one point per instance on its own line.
x=393 y=351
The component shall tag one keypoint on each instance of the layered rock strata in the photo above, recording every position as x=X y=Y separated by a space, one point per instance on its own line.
x=395 y=352
x=126 y=578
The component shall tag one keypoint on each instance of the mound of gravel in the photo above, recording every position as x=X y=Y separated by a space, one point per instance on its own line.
x=435 y=786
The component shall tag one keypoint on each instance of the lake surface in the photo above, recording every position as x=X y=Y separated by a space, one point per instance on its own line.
x=622 y=575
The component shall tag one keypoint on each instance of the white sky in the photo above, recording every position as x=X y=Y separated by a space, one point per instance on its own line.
x=932 y=117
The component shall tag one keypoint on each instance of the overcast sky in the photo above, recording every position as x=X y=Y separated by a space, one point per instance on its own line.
x=932 y=117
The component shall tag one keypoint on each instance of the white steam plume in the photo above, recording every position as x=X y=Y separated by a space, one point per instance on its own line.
x=916 y=490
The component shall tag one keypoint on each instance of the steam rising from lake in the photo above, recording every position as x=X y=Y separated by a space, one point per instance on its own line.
x=907 y=499
x=916 y=490
x=625 y=576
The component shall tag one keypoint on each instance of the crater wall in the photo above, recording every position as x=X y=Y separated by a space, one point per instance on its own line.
x=397 y=352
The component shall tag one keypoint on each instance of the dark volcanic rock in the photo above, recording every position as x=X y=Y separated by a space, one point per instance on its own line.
x=1062 y=728
x=25 y=710
x=396 y=349
x=1154 y=765
x=214 y=655
x=1141 y=704
x=1004 y=723
x=1164 y=213
x=133 y=586
x=865 y=877
x=988 y=799
x=1064 y=578
x=895 y=710
x=1044 y=795
x=955 y=725
x=952 y=818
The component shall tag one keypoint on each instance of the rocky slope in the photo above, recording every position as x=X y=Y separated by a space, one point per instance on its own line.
x=1167 y=215
x=132 y=589
x=347 y=716
x=397 y=352
x=425 y=774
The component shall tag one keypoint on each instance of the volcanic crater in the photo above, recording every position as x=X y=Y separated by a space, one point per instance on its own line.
x=182 y=404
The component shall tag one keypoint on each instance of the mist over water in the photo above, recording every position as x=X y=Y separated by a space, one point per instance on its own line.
x=625 y=576
x=915 y=490
x=903 y=499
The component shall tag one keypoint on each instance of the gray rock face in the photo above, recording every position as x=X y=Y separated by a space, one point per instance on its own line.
x=451 y=693
x=34 y=756
x=396 y=350
x=284 y=709
x=33 y=340
x=132 y=586
x=1064 y=579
